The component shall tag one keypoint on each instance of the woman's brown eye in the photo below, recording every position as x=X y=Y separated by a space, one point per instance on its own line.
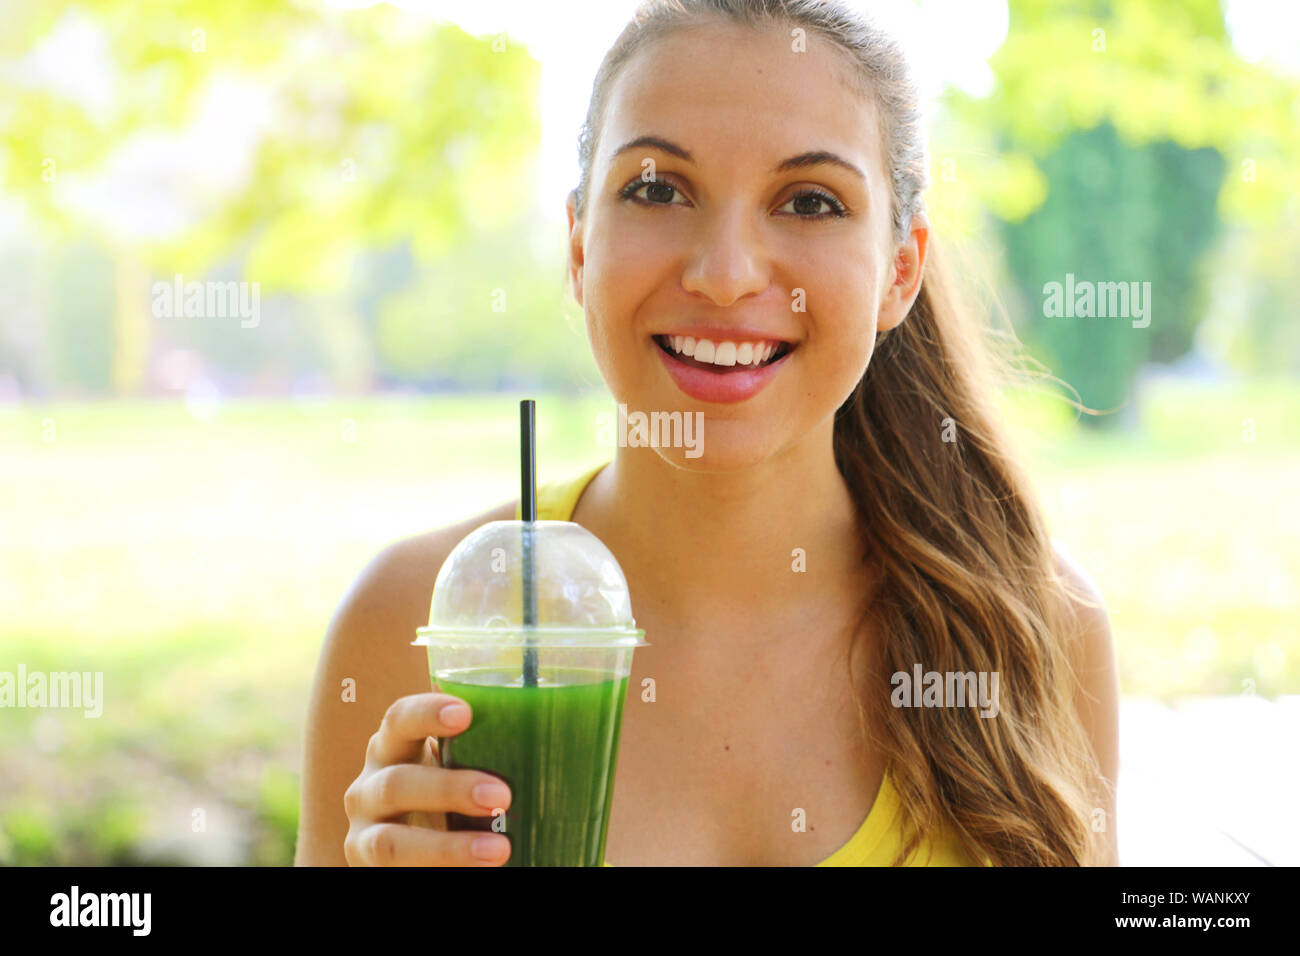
x=659 y=193
x=666 y=191
x=810 y=206
x=811 y=199
x=656 y=193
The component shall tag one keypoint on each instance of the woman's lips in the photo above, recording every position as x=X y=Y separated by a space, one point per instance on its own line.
x=726 y=385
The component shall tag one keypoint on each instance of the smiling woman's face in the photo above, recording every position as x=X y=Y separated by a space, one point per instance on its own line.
x=730 y=238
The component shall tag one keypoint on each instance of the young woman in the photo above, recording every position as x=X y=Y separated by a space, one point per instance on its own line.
x=751 y=193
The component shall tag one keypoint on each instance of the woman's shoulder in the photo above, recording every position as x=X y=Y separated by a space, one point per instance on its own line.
x=406 y=569
x=391 y=595
x=1083 y=606
x=1091 y=648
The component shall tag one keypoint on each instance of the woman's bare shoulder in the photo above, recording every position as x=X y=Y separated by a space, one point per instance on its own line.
x=375 y=622
x=402 y=574
x=370 y=635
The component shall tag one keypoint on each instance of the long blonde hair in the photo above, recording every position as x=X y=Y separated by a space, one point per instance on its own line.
x=967 y=578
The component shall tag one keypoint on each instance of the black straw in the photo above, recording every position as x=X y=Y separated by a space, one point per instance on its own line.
x=528 y=512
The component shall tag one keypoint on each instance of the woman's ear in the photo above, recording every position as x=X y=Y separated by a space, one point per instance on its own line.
x=575 y=247
x=905 y=274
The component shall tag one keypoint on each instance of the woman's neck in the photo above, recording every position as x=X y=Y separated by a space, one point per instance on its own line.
x=746 y=551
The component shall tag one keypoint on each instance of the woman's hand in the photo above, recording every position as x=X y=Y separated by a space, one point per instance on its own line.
x=402 y=782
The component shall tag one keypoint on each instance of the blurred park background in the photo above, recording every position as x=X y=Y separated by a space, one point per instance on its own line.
x=185 y=494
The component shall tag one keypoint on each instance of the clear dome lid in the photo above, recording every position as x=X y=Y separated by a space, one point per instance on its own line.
x=579 y=594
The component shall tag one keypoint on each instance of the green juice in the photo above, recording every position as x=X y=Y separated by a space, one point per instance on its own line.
x=555 y=744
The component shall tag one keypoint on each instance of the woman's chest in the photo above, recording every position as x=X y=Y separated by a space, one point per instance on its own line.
x=740 y=758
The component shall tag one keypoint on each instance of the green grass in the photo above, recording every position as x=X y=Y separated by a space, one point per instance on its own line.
x=195 y=562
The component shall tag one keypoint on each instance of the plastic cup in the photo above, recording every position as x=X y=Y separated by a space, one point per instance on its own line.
x=553 y=740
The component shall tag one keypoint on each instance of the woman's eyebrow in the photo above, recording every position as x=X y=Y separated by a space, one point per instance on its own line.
x=814 y=158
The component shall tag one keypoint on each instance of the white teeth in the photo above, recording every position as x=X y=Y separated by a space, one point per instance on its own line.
x=724 y=353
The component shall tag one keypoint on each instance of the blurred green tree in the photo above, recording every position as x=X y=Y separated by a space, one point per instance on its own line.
x=1115 y=140
x=80 y=352
x=388 y=128
x=1141 y=216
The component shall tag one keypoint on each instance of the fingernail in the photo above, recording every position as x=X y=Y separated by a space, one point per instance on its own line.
x=453 y=715
x=490 y=847
x=491 y=795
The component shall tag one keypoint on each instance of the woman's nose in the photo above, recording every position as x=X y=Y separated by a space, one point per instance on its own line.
x=728 y=261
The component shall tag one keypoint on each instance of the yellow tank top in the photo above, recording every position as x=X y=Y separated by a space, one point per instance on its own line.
x=879 y=837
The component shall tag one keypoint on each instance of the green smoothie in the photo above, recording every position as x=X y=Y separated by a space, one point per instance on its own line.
x=555 y=744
